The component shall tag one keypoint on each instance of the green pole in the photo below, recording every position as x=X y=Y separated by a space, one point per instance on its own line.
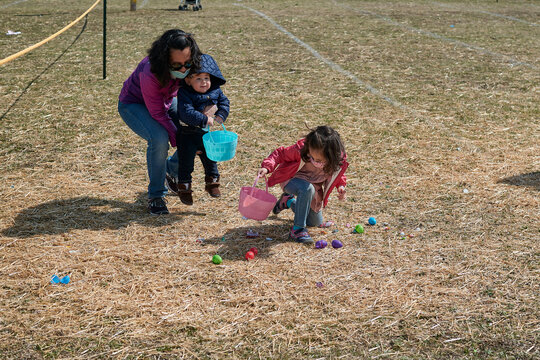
x=104 y=39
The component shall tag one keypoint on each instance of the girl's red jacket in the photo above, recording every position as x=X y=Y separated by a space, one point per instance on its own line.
x=284 y=162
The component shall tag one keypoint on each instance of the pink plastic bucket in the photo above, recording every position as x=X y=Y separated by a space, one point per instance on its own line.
x=255 y=203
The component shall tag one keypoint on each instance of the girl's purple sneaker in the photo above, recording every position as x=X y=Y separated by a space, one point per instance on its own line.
x=301 y=235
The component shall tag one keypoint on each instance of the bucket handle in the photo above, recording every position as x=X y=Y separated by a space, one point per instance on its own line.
x=255 y=184
x=207 y=128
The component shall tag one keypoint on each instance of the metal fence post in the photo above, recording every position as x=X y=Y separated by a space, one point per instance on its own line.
x=104 y=39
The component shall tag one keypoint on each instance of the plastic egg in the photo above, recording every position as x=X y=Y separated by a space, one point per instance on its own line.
x=321 y=244
x=336 y=244
x=252 y=234
x=359 y=229
x=216 y=259
x=372 y=221
x=250 y=255
x=254 y=250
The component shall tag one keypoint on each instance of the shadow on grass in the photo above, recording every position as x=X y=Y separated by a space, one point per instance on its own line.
x=88 y=213
x=530 y=180
x=234 y=243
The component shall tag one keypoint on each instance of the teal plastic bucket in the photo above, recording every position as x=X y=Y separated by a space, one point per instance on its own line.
x=220 y=145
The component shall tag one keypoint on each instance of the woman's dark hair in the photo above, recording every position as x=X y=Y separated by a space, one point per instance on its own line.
x=159 y=53
x=327 y=140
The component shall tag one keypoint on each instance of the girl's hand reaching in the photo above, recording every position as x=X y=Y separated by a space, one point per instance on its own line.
x=210 y=121
x=341 y=192
x=262 y=172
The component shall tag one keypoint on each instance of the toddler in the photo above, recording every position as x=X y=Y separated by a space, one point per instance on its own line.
x=200 y=104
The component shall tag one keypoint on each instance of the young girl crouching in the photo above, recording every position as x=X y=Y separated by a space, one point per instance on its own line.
x=308 y=170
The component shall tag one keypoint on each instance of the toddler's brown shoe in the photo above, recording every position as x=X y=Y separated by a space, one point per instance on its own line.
x=212 y=186
x=185 y=193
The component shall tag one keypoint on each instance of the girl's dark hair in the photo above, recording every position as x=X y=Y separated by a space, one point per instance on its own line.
x=159 y=53
x=327 y=140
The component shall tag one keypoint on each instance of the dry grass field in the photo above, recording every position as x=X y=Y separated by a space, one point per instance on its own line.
x=438 y=103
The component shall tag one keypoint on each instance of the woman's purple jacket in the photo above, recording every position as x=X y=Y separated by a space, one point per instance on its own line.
x=142 y=87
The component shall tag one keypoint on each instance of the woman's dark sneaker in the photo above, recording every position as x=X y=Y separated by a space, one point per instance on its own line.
x=171 y=184
x=301 y=236
x=157 y=206
x=281 y=204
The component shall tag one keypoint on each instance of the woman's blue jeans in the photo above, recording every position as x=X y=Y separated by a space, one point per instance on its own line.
x=137 y=117
x=304 y=191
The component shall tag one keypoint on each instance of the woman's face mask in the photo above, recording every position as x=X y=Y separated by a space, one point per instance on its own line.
x=178 y=60
x=178 y=74
x=317 y=164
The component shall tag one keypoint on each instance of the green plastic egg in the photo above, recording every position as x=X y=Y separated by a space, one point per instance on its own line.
x=216 y=259
x=359 y=229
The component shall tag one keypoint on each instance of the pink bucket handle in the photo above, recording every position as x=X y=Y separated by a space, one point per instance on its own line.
x=255 y=184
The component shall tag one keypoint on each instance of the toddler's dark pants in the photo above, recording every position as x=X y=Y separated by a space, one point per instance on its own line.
x=188 y=142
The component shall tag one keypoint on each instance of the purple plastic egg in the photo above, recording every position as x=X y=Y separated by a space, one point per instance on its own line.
x=336 y=244
x=321 y=244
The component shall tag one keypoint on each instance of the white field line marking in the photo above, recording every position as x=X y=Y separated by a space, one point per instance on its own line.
x=508 y=17
x=490 y=13
x=333 y=65
x=512 y=61
x=143 y=4
x=13 y=3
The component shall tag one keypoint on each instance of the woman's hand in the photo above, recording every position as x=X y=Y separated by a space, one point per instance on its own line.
x=262 y=172
x=341 y=192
